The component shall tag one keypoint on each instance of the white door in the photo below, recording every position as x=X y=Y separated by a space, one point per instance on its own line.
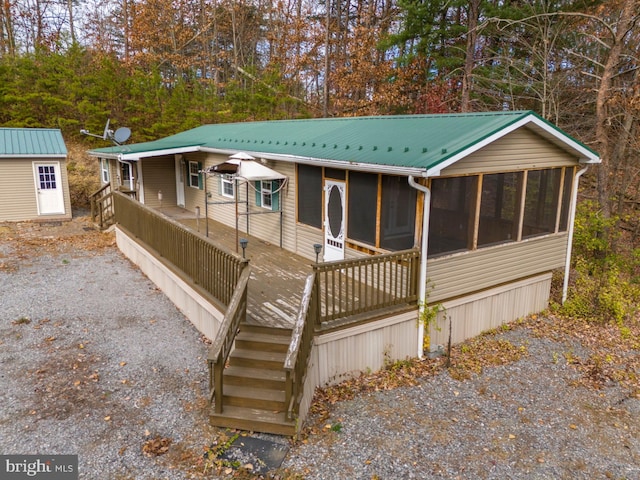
x=179 y=180
x=49 y=193
x=334 y=221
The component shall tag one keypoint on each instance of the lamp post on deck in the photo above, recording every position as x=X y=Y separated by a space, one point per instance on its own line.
x=317 y=247
x=243 y=243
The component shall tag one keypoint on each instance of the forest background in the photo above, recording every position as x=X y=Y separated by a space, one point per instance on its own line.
x=163 y=66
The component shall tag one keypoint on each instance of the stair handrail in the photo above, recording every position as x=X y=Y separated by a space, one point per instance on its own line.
x=297 y=358
x=223 y=343
x=101 y=206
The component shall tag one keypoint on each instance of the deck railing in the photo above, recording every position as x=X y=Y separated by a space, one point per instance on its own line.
x=297 y=359
x=221 y=348
x=352 y=287
x=342 y=290
x=205 y=264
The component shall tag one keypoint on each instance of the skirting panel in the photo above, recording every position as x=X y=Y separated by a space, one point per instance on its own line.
x=367 y=347
x=204 y=316
x=473 y=314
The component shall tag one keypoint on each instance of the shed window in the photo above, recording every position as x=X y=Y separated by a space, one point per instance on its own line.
x=398 y=216
x=310 y=195
x=499 y=208
x=541 y=202
x=452 y=206
x=363 y=207
x=104 y=170
x=227 y=186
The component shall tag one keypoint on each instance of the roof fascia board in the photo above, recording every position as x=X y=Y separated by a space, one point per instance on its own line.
x=34 y=156
x=132 y=157
x=323 y=162
x=587 y=156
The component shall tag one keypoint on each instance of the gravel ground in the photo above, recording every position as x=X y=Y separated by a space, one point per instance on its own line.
x=97 y=362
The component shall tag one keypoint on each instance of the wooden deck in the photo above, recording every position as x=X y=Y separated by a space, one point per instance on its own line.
x=277 y=275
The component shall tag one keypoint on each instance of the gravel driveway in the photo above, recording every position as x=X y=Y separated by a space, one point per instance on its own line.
x=97 y=362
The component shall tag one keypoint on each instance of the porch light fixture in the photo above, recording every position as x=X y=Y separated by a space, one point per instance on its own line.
x=243 y=243
x=317 y=247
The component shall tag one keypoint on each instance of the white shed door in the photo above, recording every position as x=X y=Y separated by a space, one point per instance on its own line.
x=334 y=223
x=49 y=193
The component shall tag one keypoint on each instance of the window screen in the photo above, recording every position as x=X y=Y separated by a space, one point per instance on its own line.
x=499 y=208
x=398 y=214
x=541 y=202
x=362 y=207
x=566 y=199
x=452 y=200
x=310 y=195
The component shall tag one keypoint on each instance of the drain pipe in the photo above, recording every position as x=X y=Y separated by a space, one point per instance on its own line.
x=572 y=217
x=422 y=289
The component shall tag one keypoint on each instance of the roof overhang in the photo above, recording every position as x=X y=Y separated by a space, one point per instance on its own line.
x=323 y=162
x=33 y=156
x=132 y=157
x=537 y=124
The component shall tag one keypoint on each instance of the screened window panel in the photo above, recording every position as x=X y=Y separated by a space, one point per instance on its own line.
x=398 y=215
x=362 y=207
x=310 y=195
x=566 y=199
x=541 y=202
x=452 y=201
x=499 y=208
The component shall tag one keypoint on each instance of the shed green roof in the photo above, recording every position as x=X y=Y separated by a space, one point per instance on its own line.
x=30 y=142
x=422 y=142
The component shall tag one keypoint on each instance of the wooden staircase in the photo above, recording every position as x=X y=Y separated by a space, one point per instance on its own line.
x=254 y=383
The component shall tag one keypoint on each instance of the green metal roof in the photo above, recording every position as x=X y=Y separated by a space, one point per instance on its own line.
x=422 y=142
x=29 y=142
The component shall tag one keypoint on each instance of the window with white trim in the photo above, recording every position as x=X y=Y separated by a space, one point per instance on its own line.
x=227 y=186
x=194 y=175
x=268 y=194
x=104 y=170
x=265 y=193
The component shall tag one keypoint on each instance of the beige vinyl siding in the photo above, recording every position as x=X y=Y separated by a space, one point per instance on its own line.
x=266 y=226
x=306 y=236
x=194 y=197
x=463 y=273
x=18 y=190
x=519 y=150
x=158 y=174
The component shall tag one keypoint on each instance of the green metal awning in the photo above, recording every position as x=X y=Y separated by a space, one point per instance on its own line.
x=413 y=144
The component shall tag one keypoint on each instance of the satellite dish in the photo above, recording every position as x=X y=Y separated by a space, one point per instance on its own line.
x=122 y=135
x=106 y=133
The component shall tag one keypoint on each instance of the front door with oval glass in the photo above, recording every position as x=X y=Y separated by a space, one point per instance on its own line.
x=334 y=221
x=49 y=193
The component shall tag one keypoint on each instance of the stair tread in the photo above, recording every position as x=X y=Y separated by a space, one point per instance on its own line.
x=249 y=328
x=253 y=419
x=255 y=393
x=263 y=337
x=258 y=355
x=259 y=373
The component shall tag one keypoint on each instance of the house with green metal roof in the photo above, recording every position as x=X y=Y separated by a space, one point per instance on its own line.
x=471 y=212
x=488 y=197
x=33 y=175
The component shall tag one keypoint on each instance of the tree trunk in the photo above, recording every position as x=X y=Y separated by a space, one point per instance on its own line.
x=604 y=144
x=469 y=61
